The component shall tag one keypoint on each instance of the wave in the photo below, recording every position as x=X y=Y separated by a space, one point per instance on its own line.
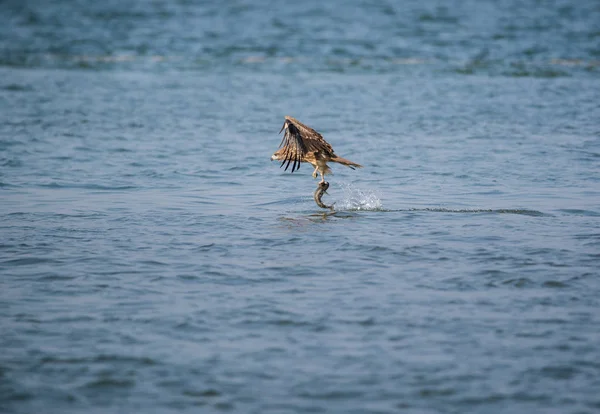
x=524 y=212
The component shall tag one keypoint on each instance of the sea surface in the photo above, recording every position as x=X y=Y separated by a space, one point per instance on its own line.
x=154 y=260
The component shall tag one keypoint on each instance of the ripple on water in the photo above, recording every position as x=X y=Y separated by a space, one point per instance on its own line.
x=154 y=264
x=577 y=212
x=522 y=212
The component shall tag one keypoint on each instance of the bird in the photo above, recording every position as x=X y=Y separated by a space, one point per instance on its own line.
x=301 y=143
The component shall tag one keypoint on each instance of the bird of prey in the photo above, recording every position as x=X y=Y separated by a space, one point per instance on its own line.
x=301 y=143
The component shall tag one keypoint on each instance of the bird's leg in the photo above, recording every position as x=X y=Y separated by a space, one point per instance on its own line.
x=322 y=177
x=315 y=171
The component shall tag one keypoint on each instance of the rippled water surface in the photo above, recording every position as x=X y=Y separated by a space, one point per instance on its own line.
x=153 y=259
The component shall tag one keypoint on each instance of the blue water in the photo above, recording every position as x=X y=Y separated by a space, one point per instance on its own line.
x=153 y=259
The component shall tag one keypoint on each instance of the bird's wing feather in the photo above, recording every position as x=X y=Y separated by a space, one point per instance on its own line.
x=300 y=139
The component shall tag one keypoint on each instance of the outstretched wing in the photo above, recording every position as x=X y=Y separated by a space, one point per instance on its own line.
x=298 y=140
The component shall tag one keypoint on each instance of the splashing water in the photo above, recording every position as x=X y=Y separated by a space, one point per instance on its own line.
x=357 y=199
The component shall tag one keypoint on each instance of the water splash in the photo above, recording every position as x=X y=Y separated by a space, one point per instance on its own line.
x=356 y=199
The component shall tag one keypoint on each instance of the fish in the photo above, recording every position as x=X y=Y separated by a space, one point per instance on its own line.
x=322 y=189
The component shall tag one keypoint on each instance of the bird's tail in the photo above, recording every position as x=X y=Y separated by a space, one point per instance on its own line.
x=346 y=162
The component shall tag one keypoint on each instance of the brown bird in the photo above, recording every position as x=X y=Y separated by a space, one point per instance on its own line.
x=301 y=143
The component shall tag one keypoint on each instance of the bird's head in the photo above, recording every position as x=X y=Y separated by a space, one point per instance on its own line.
x=276 y=156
